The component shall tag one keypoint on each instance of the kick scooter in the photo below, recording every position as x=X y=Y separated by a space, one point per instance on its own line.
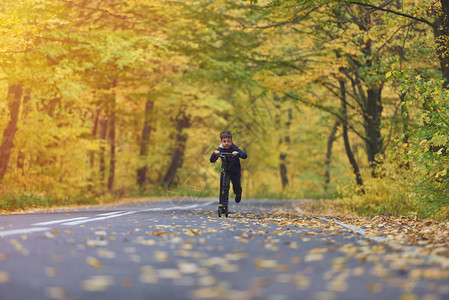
x=221 y=209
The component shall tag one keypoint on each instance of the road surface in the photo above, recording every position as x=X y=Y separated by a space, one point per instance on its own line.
x=180 y=249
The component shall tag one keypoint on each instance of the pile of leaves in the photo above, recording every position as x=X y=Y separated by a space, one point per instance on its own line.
x=428 y=237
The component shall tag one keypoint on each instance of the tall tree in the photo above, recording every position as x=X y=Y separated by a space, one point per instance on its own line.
x=177 y=157
x=14 y=99
x=144 y=140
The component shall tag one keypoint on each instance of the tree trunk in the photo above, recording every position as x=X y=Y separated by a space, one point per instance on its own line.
x=145 y=140
x=283 y=156
x=111 y=138
x=373 y=124
x=352 y=161
x=94 y=136
x=178 y=151
x=405 y=119
x=330 y=143
x=92 y=152
x=441 y=40
x=14 y=98
x=20 y=163
x=103 y=135
x=283 y=170
x=372 y=111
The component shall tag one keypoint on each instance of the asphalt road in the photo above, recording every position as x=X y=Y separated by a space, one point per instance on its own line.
x=180 y=249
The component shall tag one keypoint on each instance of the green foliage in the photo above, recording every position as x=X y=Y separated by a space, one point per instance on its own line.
x=392 y=192
x=11 y=200
x=269 y=71
x=22 y=200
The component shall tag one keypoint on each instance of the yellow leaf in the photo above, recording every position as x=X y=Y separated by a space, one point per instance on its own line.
x=97 y=283
x=188 y=268
x=169 y=274
x=261 y=263
x=55 y=292
x=100 y=232
x=105 y=253
x=93 y=262
x=207 y=281
x=4 y=277
x=313 y=257
x=51 y=272
x=161 y=256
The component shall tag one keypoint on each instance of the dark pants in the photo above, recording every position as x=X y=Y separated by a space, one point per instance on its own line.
x=225 y=180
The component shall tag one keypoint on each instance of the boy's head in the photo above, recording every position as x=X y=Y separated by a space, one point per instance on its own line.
x=226 y=139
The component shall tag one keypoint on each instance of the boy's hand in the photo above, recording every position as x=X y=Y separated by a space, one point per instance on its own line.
x=216 y=152
x=235 y=153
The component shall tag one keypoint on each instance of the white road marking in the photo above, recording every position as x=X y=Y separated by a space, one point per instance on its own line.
x=82 y=220
x=22 y=231
x=122 y=213
x=179 y=207
x=98 y=219
x=58 y=221
x=112 y=213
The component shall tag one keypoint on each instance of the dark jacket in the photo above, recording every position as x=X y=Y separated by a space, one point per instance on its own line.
x=230 y=163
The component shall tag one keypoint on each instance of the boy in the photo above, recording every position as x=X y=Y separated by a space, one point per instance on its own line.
x=230 y=170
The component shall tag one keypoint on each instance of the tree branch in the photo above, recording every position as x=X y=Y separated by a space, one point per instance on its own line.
x=294 y=20
x=328 y=110
x=62 y=41
x=399 y=14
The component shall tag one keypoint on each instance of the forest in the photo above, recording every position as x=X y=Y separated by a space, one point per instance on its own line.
x=331 y=99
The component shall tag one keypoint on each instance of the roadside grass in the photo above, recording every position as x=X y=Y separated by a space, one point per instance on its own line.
x=11 y=201
x=378 y=200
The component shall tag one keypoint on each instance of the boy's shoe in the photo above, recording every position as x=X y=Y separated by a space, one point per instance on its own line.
x=222 y=210
x=238 y=198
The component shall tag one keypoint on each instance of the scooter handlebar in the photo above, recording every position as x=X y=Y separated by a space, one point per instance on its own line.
x=225 y=154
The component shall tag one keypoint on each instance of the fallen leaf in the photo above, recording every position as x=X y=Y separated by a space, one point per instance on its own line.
x=100 y=232
x=261 y=282
x=313 y=257
x=148 y=275
x=301 y=281
x=169 y=273
x=49 y=235
x=161 y=256
x=325 y=296
x=229 y=268
x=262 y=263
x=374 y=287
x=147 y=242
x=4 y=277
x=296 y=260
x=96 y=243
x=55 y=293
x=311 y=233
x=97 y=283
x=127 y=282
x=93 y=262
x=211 y=293
x=188 y=268
x=207 y=281
x=104 y=253
x=51 y=272
x=337 y=286
x=408 y=297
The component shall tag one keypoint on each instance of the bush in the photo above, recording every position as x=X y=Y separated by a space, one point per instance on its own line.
x=23 y=200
